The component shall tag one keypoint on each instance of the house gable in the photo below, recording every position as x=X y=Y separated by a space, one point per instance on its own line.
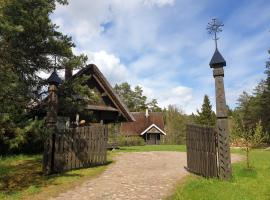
x=110 y=105
x=153 y=129
x=142 y=123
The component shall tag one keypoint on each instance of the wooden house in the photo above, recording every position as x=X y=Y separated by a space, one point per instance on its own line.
x=108 y=109
x=148 y=125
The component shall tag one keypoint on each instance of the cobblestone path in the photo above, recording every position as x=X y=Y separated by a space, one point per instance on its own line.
x=140 y=176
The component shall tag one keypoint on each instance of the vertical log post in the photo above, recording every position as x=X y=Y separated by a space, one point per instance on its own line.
x=224 y=157
x=51 y=122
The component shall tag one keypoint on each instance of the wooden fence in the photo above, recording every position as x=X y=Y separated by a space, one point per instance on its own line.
x=202 y=150
x=76 y=148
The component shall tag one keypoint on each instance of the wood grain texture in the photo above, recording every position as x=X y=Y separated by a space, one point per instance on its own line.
x=78 y=148
x=201 y=150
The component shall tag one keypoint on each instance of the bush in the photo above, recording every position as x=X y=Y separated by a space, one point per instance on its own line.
x=130 y=141
x=24 y=137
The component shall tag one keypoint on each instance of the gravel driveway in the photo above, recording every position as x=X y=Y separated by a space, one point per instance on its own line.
x=142 y=176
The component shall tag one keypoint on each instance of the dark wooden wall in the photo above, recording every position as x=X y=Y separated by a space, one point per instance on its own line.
x=77 y=148
x=202 y=150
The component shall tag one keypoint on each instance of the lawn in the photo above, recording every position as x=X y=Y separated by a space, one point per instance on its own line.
x=181 y=148
x=246 y=184
x=21 y=178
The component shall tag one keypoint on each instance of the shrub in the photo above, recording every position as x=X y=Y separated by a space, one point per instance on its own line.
x=130 y=141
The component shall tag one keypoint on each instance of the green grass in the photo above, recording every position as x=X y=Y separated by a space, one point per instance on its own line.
x=21 y=178
x=181 y=148
x=246 y=184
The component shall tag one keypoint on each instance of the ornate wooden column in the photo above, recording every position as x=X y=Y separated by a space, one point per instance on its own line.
x=224 y=157
x=51 y=123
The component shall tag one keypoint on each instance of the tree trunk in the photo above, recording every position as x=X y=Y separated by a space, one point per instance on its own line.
x=247 y=155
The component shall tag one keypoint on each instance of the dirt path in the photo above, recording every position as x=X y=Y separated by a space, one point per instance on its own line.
x=144 y=176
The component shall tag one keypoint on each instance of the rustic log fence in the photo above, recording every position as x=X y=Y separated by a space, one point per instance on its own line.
x=75 y=148
x=201 y=144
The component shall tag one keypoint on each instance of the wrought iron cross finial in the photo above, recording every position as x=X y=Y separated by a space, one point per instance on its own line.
x=54 y=68
x=214 y=27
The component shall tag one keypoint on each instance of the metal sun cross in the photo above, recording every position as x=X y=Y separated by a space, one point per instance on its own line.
x=214 y=27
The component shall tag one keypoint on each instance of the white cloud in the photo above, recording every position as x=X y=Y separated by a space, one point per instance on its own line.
x=110 y=66
x=163 y=46
x=159 y=3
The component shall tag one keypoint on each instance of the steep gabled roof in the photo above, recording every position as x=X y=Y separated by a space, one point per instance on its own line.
x=142 y=123
x=105 y=85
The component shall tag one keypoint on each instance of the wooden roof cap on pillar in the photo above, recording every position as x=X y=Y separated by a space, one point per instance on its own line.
x=217 y=60
x=54 y=79
x=92 y=69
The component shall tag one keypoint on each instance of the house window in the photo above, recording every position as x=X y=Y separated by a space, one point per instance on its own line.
x=158 y=136
x=148 y=136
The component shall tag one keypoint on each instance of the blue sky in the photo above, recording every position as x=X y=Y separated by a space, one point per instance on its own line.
x=163 y=45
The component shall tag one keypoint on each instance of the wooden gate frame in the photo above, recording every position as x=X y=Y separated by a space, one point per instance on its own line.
x=51 y=161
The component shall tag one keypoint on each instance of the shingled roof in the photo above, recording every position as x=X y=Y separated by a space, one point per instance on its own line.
x=142 y=123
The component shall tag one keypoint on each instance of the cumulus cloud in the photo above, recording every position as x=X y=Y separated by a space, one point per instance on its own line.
x=110 y=66
x=159 y=3
x=163 y=46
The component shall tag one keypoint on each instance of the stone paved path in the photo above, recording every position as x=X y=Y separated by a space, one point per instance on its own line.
x=143 y=176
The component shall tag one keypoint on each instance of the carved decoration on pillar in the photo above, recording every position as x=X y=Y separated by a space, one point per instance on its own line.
x=51 y=122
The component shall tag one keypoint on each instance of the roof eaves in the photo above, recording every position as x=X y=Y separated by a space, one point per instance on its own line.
x=151 y=126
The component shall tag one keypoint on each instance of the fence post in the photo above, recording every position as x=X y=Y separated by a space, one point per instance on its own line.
x=51 y=123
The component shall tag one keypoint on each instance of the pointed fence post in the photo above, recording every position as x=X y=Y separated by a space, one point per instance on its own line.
x=51 y=123
x=224 y=157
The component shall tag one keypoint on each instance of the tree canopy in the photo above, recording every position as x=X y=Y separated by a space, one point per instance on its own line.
x=255 y=108
x=29 y=43
x=175 y=125
x=134 y=98
x=206 y=116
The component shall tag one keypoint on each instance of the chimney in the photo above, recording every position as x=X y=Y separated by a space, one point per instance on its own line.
x=146 y=113
x=68 y=73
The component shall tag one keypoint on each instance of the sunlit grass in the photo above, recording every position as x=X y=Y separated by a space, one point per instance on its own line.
x=246 y=184
x=181 y=148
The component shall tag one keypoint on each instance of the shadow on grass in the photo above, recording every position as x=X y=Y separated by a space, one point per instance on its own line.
x=20 y=175
x=28 y=173
x=248 y=172
x=127 y=149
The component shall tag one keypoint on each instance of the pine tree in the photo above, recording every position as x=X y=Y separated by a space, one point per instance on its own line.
x=29 y=43
x=264 y=114
x=206 y=116
x=126 y=93
x=153 y=106
x=134 y=99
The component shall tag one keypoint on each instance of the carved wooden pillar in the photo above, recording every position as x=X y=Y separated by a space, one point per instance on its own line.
x=224 y=157
x=51 y=123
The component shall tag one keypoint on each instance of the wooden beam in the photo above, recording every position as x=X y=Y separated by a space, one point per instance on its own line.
x=101 y=85
x=99 y=107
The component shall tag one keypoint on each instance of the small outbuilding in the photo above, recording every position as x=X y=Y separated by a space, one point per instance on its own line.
x=148 y=125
